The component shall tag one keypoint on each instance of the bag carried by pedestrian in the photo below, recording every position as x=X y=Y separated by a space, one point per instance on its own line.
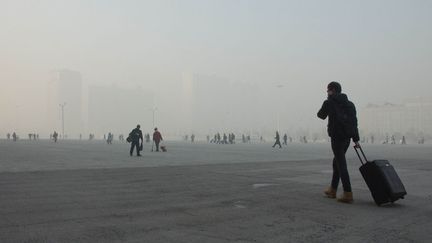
x=382 y=179
x=347 y=118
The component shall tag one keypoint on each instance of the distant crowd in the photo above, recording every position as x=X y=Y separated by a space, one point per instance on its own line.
x=225 y=138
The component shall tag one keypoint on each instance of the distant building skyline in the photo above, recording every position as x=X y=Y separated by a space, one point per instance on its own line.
x=411 y=116
x=217 y=104
x=207 y=104
x=65 y=87
x=118 y=110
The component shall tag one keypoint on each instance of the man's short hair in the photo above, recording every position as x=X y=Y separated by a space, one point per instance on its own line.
x=335 y=86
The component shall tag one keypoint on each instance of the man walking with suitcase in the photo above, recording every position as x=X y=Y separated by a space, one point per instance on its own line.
x=342 y=127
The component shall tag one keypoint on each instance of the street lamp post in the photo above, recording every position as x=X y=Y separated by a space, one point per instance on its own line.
x=154 y=110
x=62 y=109
x=279 y=87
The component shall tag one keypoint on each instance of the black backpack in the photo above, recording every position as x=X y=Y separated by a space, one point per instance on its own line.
x=346 y=116
x=134 y=135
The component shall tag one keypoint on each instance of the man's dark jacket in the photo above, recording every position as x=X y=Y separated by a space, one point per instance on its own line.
x=136 y=135
x=332 y=108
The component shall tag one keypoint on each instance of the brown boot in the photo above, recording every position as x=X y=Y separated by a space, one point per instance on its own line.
x=347 y=197
x=330 y=192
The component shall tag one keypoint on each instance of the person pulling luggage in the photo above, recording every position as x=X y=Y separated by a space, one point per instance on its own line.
x=342 y=127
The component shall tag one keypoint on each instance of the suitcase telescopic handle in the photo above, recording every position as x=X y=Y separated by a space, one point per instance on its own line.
x=361 y=150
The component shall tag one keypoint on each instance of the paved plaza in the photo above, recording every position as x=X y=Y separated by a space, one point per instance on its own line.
x=82 y=191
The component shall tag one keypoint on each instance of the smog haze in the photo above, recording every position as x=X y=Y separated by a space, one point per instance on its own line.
x=205 y=66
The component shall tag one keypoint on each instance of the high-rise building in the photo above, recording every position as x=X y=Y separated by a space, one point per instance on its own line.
x=118 y=110
x=65 y=89
x=214 y=104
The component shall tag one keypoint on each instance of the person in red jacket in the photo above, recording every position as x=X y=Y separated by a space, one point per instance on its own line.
x=157 y=137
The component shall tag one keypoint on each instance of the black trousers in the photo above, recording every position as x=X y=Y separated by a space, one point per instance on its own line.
x=340 y=170
x=135 y=144
x=277 y=143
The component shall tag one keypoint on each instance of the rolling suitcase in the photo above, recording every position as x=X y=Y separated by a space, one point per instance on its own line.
x=382 y=180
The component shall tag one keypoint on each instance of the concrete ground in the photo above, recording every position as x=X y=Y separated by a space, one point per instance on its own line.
x=93 y=192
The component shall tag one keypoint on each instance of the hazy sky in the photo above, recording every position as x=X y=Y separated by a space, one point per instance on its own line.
x=379 y=50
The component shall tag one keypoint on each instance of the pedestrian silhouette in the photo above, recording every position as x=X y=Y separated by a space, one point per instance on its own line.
x=157 y=138
x=135 y=136
x=277 y=142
